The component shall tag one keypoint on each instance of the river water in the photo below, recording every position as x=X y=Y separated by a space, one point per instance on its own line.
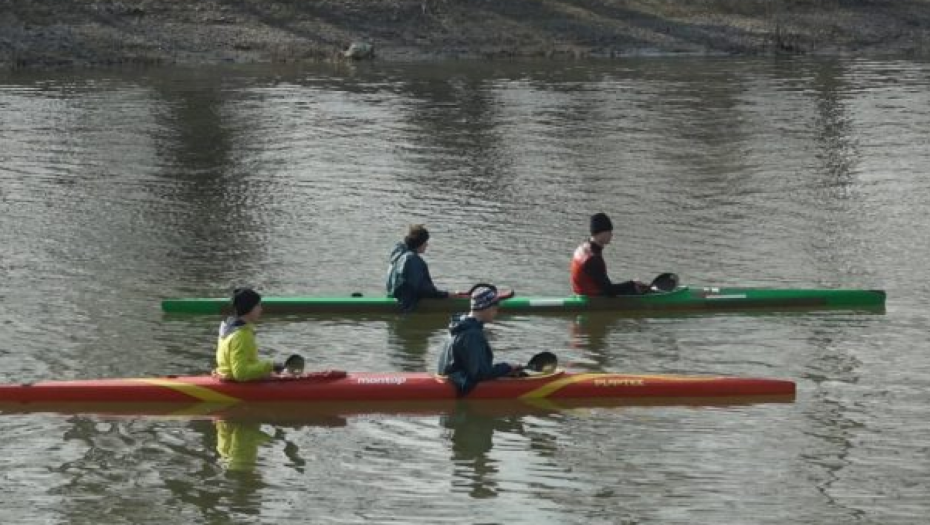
x=119 y=189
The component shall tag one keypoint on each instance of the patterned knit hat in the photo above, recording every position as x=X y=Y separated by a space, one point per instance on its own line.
x=484 y=296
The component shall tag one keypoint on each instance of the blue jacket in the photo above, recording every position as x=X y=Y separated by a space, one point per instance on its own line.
x=408 y=278
x=467 y=357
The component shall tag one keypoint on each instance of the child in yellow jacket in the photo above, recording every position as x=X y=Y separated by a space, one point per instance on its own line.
x=236 y=350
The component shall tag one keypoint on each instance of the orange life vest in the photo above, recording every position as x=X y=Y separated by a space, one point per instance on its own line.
x=582 y=283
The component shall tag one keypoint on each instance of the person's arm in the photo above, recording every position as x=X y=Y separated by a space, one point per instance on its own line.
x=244 y=364
x=596 y=269
x=478 y=364
x=421 y=281
x=629 y=288
x=502 y=370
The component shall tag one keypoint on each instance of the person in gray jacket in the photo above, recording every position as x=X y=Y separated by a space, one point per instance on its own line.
x=408 y=278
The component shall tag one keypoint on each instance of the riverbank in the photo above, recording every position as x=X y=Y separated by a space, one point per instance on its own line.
x=50 y=33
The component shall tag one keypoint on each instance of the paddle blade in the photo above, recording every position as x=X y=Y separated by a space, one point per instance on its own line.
x=544 y=362
x=294 y=364
x=501 y=293
x=665 y=282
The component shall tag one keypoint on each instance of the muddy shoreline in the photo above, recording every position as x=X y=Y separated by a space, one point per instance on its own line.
x=80 y=33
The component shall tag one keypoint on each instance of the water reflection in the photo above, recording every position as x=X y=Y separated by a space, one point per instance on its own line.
x=222 y=491
x=589 y=333
x=409 y=340
x=459 y=118
x=237 y=443
x=239 y=437
x=472 y=442
x=195 y=149
x=605 y=339
x=833 y=130
x=215 y=465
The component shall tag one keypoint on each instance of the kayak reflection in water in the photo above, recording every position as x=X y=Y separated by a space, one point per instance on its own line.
x=408 y=278
x=467 y=357
x=236 y=349
x=588 y=269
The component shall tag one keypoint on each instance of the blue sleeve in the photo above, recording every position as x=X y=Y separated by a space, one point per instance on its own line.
x=478 y=364
x=472 y=357
x=501 y=370
x=419 y=278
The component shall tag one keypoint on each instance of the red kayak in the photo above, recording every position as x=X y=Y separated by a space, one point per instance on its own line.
x=337 y=386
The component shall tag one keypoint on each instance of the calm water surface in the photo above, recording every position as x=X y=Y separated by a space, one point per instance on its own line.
x=118 y=189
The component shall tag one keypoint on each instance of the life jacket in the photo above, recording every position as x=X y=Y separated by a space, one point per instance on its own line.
x=582 y=283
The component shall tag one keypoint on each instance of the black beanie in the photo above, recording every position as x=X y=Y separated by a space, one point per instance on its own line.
x=244 y=299
x=416 y=237
x=600 y=222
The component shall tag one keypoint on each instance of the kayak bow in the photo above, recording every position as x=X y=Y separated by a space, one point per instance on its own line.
x=683 y=299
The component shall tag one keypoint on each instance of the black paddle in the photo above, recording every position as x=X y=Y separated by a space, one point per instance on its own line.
x=543 y=363
x=294 y=365
x=502 y=293
x=664 y=282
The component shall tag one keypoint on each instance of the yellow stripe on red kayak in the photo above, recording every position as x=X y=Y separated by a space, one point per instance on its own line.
x=606 y=380
x=197 y=392
x=547 y=389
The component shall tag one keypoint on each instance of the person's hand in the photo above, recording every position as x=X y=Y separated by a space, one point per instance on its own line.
x=517 y=371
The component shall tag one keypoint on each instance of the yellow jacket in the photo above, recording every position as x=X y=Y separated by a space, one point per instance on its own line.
x=237 y=353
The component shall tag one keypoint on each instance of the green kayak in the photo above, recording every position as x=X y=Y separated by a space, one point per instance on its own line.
x=682 y=299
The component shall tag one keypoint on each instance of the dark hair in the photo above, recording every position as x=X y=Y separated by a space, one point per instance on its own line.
x=416 y=236
x=244 y=300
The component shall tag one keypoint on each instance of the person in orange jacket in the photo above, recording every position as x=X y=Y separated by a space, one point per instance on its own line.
x=588 y=269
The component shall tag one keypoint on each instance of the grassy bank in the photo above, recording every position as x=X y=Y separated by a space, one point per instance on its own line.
x=49 y=33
